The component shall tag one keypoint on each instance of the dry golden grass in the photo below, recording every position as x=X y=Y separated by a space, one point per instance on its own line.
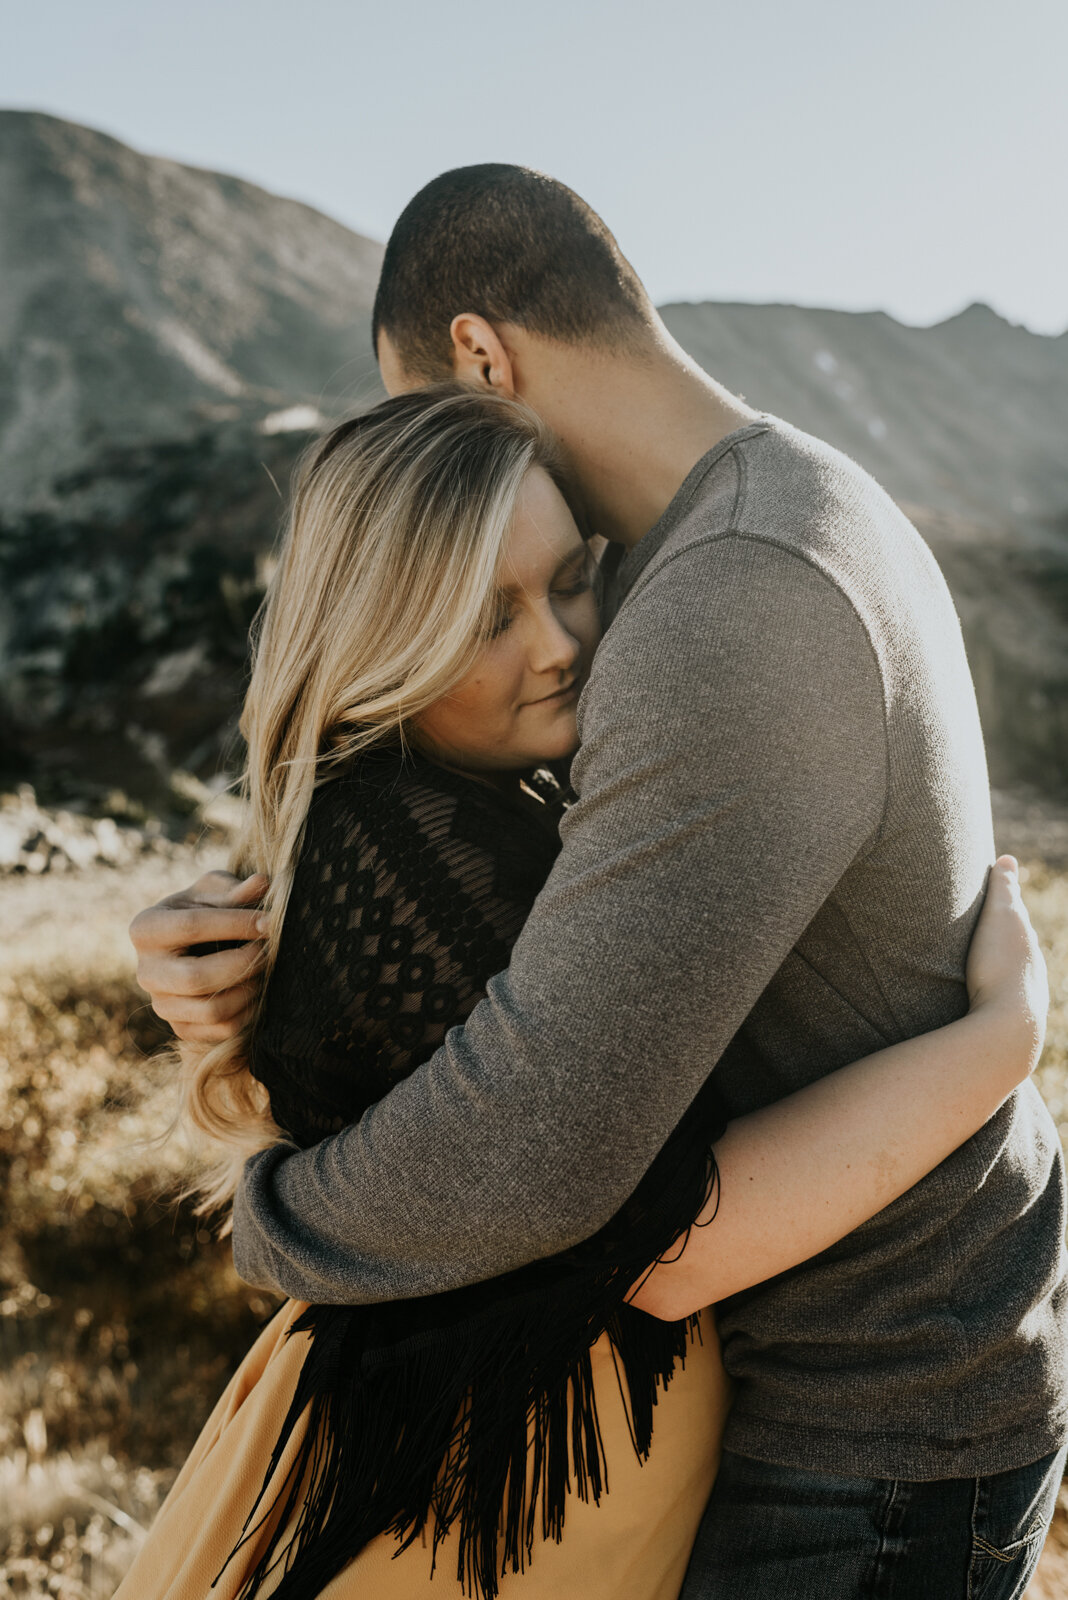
x=120 y=1318
x=1046 y=892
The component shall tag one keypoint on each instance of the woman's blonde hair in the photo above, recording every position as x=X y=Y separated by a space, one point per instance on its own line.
x=386 y=580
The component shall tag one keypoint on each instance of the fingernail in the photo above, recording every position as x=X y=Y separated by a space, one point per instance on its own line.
x=263 y=926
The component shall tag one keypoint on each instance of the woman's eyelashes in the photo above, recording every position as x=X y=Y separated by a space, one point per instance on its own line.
x=576 y=579
x=502 y=620
x=499 y=623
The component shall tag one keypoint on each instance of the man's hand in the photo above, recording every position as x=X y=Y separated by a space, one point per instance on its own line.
x=205 y=993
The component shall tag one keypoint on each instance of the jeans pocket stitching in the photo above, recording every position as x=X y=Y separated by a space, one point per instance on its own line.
x=1009 y=1552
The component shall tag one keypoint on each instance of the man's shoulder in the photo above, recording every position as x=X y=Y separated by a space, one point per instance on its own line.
x=804 y=523
x=739 y=636
x=804 y=495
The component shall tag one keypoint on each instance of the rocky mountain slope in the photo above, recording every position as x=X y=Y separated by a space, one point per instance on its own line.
x=171 y=338
x=168 y=340
x=968 y=418
x=140 y=299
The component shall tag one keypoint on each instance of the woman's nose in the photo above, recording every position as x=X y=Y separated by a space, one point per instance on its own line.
x=553 y=648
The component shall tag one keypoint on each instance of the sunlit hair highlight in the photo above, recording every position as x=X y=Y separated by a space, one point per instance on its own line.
x=386 y=581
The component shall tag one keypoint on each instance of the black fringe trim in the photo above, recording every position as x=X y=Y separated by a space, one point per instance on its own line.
x=454 y=1409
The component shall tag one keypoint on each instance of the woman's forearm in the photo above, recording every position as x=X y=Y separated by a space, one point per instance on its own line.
x=799 y=1175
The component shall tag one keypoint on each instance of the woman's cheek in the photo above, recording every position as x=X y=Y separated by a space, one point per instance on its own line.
x=508 y=675
x=586 y=623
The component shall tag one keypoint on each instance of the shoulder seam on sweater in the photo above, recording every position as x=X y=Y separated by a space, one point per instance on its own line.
x=738 y=456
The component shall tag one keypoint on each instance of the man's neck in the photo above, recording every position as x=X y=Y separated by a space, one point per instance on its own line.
x=631 y=427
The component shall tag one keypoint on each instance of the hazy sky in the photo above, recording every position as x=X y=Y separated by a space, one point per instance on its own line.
x=910 y=155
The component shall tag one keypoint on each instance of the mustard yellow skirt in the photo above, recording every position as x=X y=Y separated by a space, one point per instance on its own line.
x=633 y=1546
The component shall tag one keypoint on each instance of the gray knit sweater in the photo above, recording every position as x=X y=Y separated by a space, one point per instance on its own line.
x=774 y=867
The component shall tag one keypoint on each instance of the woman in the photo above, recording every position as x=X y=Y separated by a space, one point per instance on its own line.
x=422 y=651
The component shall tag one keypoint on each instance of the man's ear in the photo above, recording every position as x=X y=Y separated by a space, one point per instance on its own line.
x=479 y=357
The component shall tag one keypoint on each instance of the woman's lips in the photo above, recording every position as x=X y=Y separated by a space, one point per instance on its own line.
x=560 y=696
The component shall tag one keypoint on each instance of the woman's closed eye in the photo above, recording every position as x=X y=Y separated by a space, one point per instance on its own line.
x=499 y=623
x=573 y=578
x=577 y=576
x=577 y=586
x=502 y=620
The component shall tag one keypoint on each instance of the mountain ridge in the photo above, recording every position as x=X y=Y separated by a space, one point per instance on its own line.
x=965 y=417
x=140 y=297
x=171 y=337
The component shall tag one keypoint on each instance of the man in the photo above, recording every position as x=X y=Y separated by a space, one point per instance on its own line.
x=774 y=867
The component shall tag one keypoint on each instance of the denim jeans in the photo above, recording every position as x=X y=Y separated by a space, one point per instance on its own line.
x=778 y=1533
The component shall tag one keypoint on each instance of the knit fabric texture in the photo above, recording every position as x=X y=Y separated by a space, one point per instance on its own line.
x=774 y=866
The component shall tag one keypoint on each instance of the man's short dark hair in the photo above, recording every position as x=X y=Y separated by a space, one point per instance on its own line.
x=511 y=245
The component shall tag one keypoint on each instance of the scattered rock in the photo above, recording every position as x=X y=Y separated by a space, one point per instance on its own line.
x=34 y=840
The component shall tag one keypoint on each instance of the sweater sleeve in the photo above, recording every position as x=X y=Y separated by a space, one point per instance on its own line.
x=733 y=766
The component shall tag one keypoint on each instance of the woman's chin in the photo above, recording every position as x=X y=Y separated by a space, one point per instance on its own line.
x=560 y=747
x=555 y=744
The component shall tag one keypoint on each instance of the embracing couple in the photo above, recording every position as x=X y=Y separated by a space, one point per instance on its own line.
x=645 y=1141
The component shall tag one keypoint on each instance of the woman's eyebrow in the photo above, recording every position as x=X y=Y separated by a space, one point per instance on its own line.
x=575 y=557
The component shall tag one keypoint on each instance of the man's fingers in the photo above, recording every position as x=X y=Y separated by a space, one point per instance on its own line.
x=199 y=976
x=190 y=1033
x=223 y=1012
x=218 y=888
x=251 y=891
x=205 y=998
x=221 y=889
x=168 y=928
x=1009 y=869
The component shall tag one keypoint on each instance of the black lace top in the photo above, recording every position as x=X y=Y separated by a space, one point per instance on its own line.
x=412 y=885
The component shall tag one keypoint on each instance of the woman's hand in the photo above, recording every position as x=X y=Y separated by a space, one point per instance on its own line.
x=1006 y=971
x=802 y=1173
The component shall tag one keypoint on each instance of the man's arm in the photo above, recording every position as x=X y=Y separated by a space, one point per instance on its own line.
x=733 y=766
